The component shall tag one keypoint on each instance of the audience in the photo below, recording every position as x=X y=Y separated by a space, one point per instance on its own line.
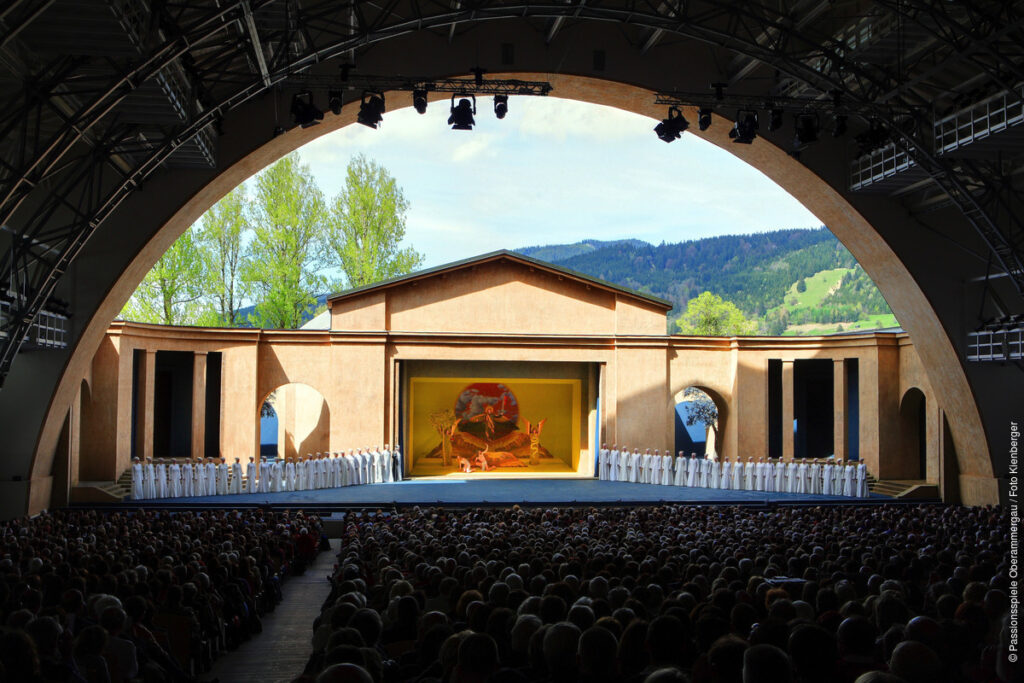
x=669 y=594
x=145 y=596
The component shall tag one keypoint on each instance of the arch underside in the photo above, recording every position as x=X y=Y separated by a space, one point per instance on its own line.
x=76 y=213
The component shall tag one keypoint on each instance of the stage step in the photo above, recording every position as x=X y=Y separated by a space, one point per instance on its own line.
x=122 y=488
x=906 y=488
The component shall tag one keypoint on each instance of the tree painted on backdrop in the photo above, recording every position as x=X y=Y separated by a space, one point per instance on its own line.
x=367 y=225
x=172 y=290
x=221 y=232
x=709 y=315
x=287 y=251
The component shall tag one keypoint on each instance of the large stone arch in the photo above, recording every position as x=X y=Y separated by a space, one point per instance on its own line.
x=112 y=264
x=722 y=400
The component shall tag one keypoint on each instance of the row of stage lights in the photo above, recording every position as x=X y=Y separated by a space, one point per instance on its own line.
x=807 y=125
x=372 y=107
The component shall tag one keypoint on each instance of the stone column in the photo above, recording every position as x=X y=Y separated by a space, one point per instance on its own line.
x=840 y=427
x=146 y=407
x=198 y=404
x=788 y=447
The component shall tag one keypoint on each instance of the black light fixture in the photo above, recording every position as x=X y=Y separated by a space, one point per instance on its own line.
x=500 y=106
x=672 y=127
x=419 y=101
x=839 y=127
x=278 y=130
x=807 y=126
x=775 y=119
x=334 y=101
x=371 y=109
x=462 y=113
x=704 y=118
x=744 y=131
x=304 y=112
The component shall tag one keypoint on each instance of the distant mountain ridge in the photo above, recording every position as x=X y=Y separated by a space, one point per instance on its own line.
x=754 y=271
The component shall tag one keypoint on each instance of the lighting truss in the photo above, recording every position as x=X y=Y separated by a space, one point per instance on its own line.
x=446 y=85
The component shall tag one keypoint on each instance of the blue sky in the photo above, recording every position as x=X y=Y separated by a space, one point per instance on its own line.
x=554 y=171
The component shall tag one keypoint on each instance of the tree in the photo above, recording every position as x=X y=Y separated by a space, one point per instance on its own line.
x=367 y=224
x=220 y=237
x=171 y=291
x=702 y=410
x=801 y=285
x=288 y=216
x=711 y=316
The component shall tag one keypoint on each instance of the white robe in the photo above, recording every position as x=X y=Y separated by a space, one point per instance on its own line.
x=602 y=464
x=149 y=480
x=137 y=482
x=779 y=475
x=654 y=469
x=826 y=479
x=265 y=482
x=161 y=480
x=681 y=470
x=635 y=464
x=624 y=457
x=211 y=478
x=692 y=472
x=815 y=478
x=760 y=481
x=222 y=479
x=389 y=466
x=644 y=474
x=351 y=470
x=278 y=484
x=613 y=465
x=399 y=464
x=848 y=485
x=725 y=479
x=801 y=478
x=714 y=473
x=749 y=482
x=250 y=478
x=174 y=475
x=837 y=480
x=737 y=476
x=235 y=483
x=791 y=477
x=666 y=469
x=199 y=483
x=187 y=480
x=862 y=481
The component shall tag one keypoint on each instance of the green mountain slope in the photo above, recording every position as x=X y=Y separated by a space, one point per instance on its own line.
x=758 y=272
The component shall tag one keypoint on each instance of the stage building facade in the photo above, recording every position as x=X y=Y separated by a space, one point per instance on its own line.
x=507 y=362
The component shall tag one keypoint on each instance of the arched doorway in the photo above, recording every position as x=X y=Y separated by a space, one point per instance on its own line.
x=294 y=420
x=913 y=459
x=699 y=415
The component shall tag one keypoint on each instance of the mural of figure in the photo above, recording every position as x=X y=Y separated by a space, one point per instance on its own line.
x=534 y=432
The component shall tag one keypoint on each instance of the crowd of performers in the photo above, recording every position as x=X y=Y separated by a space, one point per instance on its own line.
x=185 y=478
x=824 y=476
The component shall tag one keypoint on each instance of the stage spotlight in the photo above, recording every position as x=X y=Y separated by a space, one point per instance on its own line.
x=419 y=101
x=745 y=129
x=304 y=112
x=672 y=128
x=806 y=130
x=839 y=129
x=279 y=130
x=704 y=118
x=500 y=106
x=462 y=113
x=775 y=119
x=371 y=109
x=334 y=101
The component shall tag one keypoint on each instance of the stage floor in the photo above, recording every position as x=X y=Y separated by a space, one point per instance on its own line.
x=492 y=491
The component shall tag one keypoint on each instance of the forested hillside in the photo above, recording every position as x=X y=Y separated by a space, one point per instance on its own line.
x=759 y=273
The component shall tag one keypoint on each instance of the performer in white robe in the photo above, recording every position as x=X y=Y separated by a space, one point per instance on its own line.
x=321 y=471
x=705 y=471
x=634 y=465
x=862 y=481
x=714 y=472
x=849 y=471
x=602 y=463
x=277 y=483
x=624 y=456
x=837 y=478
x=826 y=478
x=791 y=476
x=654 y=467
x=801 y=477
x=681 y=468
x=187 y=479
x=235 y=478
x=210 y=469
x=749 y=482
x=779 y=476
x=667 y=474
x=389 y=464
x=138 y=486
x=199 y=478
x=222 y=477
x=382 y=466
x=692 y=471
x=174 y=479
x=251 y=480
x=643 y=467
x=161 y=479
x=613 y=464
x=815 y=473
x=759 y=476
x=351 y=469
x=148 y=480
x=725 y=476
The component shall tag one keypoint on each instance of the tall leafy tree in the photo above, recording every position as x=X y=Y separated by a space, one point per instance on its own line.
x=367 y=225
x=286 y=253
x=710 y=315
x=170 y=293
x=221 y=240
